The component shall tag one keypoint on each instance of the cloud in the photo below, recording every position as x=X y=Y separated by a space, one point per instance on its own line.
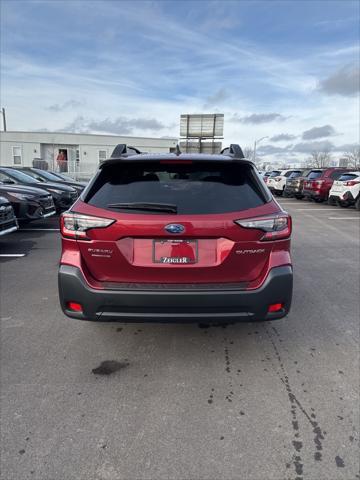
x=218 y=97
x=281 y=137
x=319 y=132
x=118 y=126
x=69 y=104
x=308 y=147
x=271 y=150
x=345 y=81
x=257 y=118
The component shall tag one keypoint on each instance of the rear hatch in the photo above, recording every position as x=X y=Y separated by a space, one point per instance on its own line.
x=174 y=222
x=310 y=182
x=345 y=181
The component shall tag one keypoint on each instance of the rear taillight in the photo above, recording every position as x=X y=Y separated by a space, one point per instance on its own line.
x=351 y=183
x=317 y=183
x=276 y=227
x=76 y=225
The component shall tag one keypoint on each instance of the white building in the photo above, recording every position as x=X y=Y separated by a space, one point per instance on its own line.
x=82 y=152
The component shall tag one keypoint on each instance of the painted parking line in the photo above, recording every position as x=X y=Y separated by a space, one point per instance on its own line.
x=310 y=209
x=12 y=255
x=343 y=218
x=39 y=230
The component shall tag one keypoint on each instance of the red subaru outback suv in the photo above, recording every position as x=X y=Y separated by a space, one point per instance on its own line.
x=176 y=237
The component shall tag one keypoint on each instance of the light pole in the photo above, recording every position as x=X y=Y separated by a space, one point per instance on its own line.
x=255 y=143
x=4 y=119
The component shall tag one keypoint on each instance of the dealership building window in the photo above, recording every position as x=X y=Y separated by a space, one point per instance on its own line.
x=102 y=155
x=16 y=153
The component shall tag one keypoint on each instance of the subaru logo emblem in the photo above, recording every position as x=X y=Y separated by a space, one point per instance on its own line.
x=175 y=228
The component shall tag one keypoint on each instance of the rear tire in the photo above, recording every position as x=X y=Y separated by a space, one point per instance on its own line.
x=344 y=204
x=357 y=203
x=299 y=197
x=332 y=202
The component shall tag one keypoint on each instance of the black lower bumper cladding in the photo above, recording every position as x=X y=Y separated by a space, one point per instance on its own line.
x=175 y=305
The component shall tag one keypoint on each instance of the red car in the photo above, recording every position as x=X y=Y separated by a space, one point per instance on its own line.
x=319 y=181
x=176 y=237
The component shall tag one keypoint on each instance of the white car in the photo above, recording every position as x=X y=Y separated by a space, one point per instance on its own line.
x=277 y=183
x=346 y=190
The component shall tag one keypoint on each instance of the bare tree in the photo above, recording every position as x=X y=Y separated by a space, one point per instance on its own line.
x=353 y=157
x=319 y=159
x=248 y=153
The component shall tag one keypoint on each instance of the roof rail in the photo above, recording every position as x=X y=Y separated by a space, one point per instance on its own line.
x=122 y=150
x=234 y=150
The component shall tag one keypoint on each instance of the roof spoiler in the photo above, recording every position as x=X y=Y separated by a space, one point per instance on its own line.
x=122 y=150
x=234 y=151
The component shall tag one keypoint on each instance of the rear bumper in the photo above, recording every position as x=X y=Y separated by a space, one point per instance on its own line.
x=315 y=194
x=175 y=305
x=343 y=196
x=292 y=190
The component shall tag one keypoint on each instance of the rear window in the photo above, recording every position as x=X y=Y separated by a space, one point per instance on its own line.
x=275 y=173
x=348 y=176
x=289 y=174
x=197 y=188
x=335 y=175
x=314 y=174
x=294 y=174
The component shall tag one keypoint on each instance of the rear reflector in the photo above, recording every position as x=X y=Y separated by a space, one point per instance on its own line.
x=275 y=307
x=74 y=306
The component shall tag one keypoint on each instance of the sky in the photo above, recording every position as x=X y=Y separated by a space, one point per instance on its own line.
x=284 y=70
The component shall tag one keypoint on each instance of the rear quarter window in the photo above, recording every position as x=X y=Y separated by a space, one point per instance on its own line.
x=197 y=188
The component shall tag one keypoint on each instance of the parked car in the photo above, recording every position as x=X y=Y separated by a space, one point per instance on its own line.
x=277 y=183
x=63 y=195
x=271 y=174
x=8 y=222
x=176 y=237
x=28 y=203
x=294 y=184
x=319 y=181
x=46 y=176
x=346 y=190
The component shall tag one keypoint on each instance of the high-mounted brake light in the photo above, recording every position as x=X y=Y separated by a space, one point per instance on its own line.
x=176 y=162
x=76 y=225
x=276 y=227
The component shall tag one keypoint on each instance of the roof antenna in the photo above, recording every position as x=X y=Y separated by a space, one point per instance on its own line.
x=177 y=150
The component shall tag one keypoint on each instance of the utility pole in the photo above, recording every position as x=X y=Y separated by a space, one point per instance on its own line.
x=255 y=143
x=4 y=119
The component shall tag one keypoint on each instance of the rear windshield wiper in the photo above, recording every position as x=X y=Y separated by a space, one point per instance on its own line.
x=154 y=207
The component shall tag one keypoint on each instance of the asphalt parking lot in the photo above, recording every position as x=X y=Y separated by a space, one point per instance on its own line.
x=259 y=401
